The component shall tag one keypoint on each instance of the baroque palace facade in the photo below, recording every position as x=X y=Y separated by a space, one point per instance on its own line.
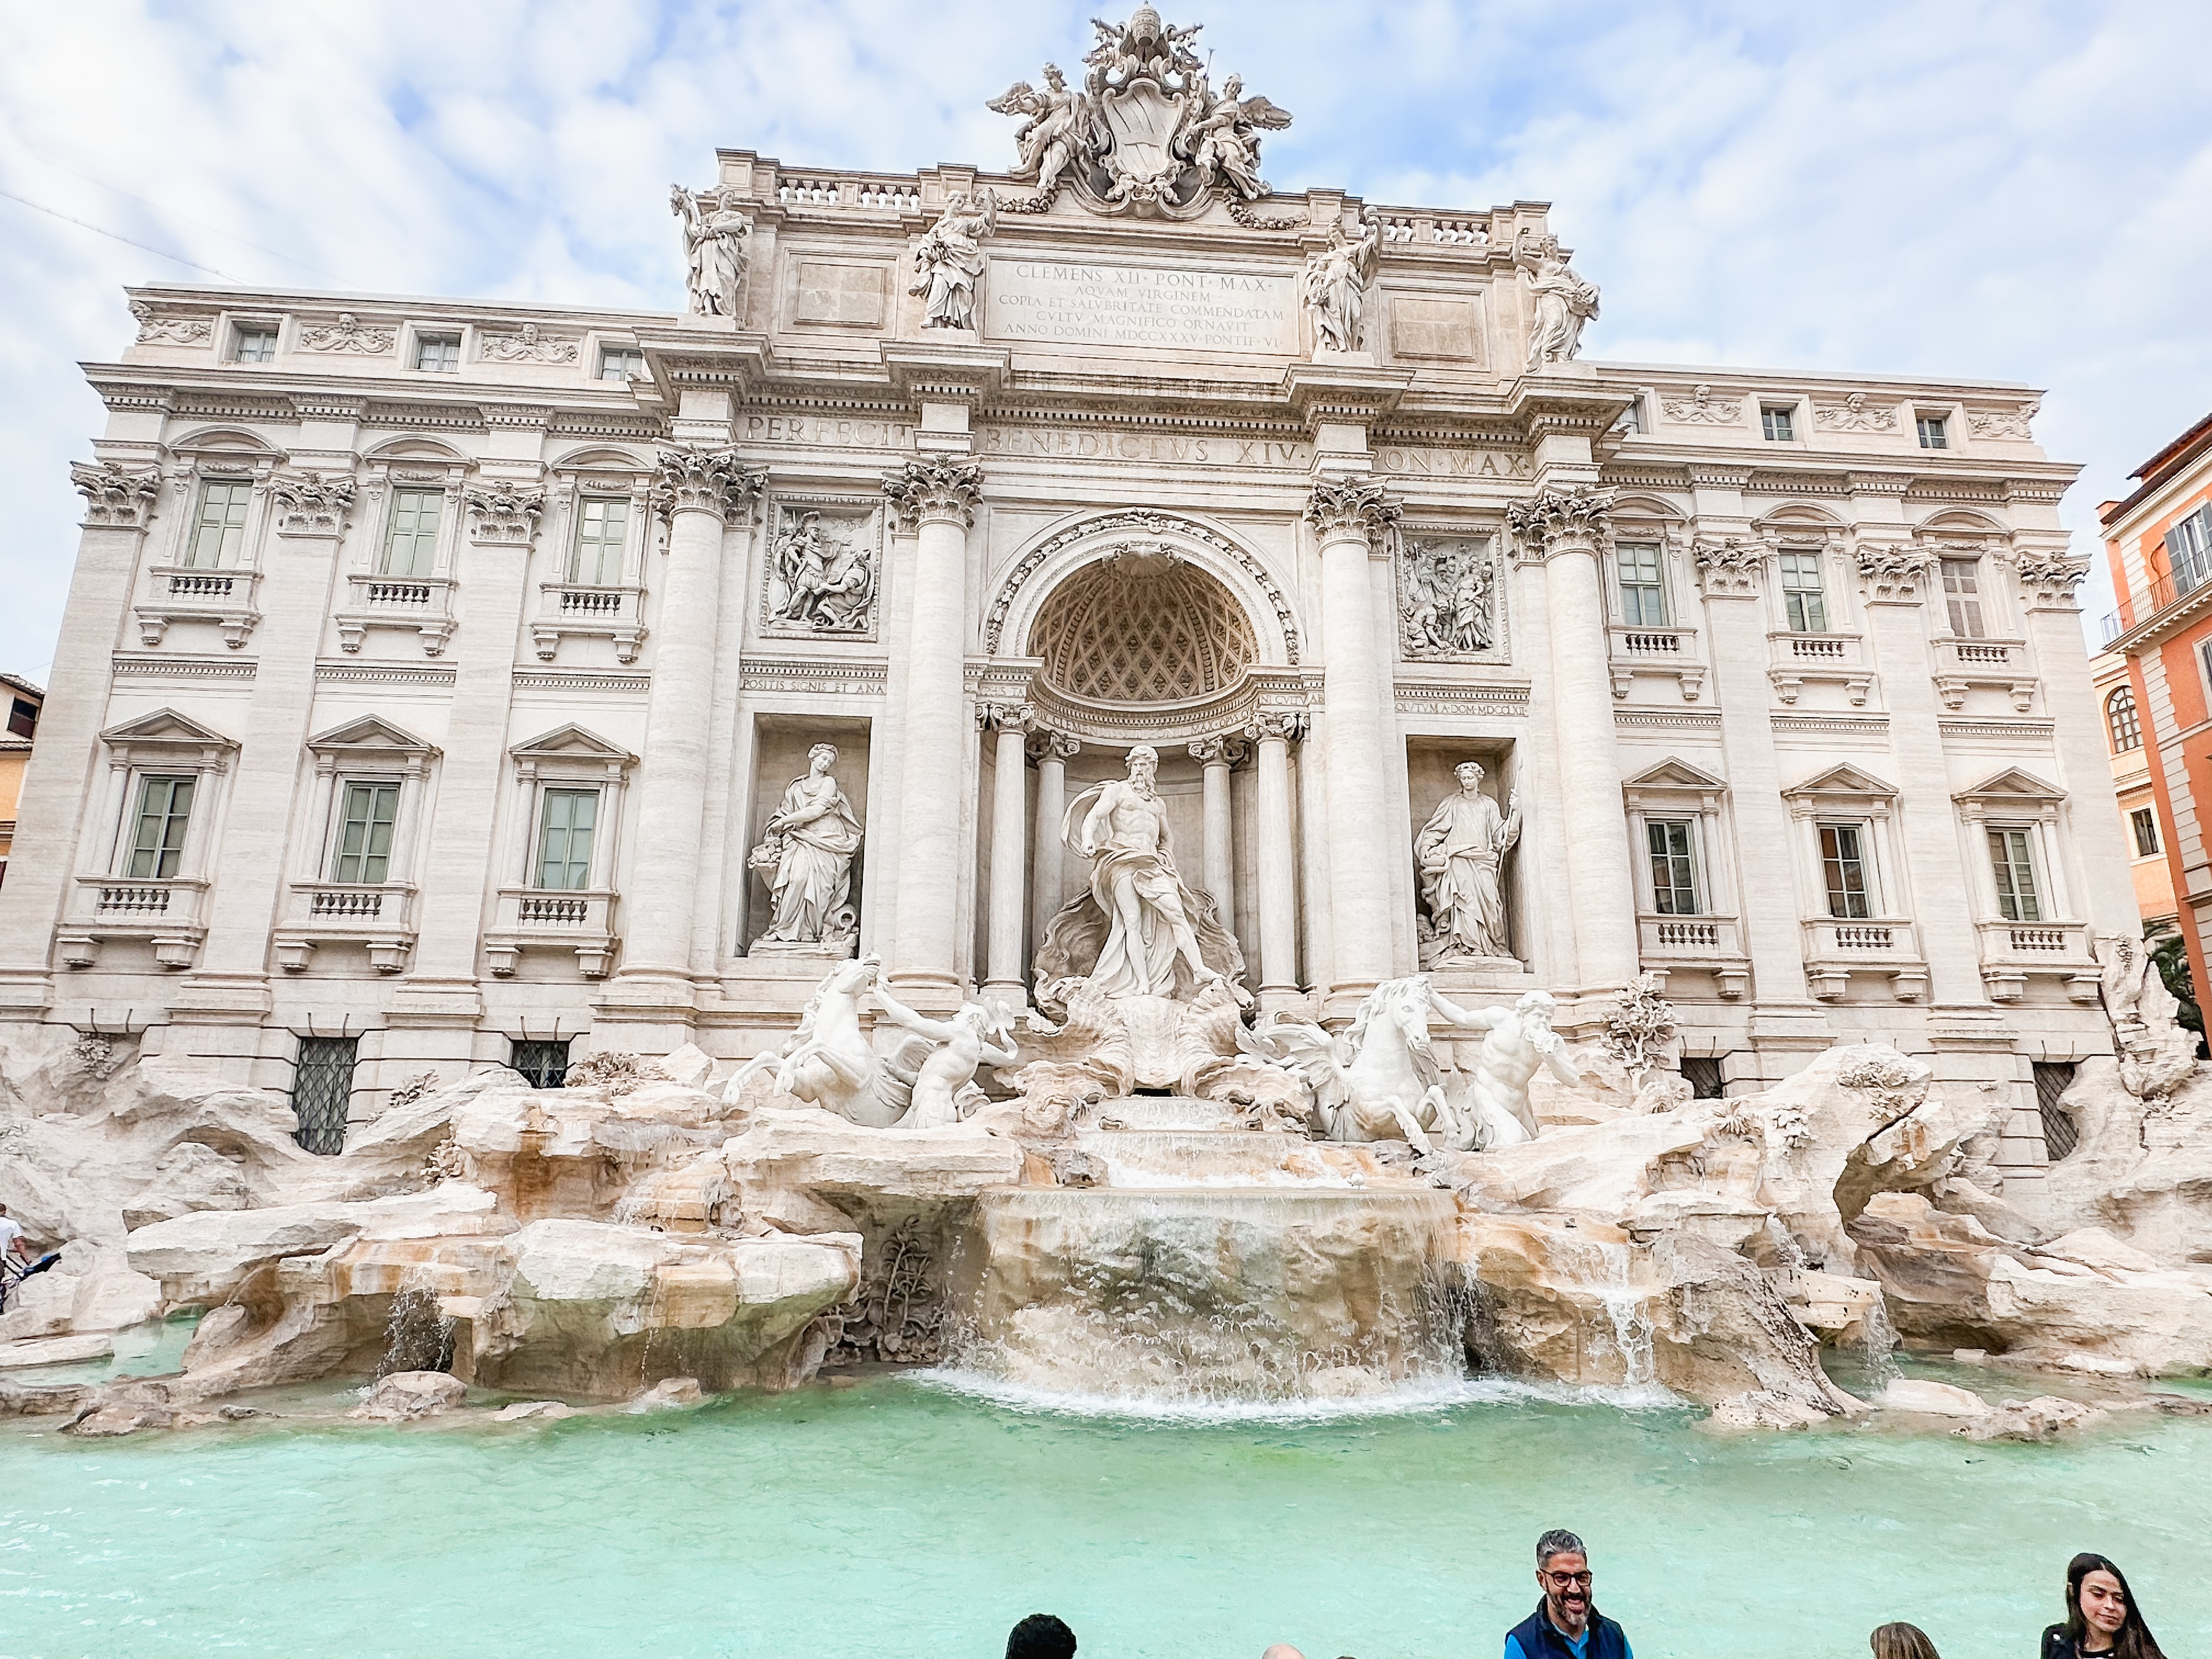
x=439 y=677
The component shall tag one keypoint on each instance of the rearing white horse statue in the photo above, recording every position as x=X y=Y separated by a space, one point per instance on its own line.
x=1381 y=1081
x=829 y=1060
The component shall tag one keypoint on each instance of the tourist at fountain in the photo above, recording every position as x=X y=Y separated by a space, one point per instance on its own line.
x=14 y=1242
x=1566 y=1623
x=2101 y=1615
x=1041 y=1636
x=1901 y=1642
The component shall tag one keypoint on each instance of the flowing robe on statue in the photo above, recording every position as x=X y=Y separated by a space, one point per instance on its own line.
x=817 y=837
x=1460 y=854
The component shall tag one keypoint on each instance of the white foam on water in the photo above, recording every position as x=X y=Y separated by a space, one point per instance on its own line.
x=1408 y=1398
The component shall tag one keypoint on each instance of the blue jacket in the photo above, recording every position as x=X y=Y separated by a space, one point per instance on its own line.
x=1537 y=1637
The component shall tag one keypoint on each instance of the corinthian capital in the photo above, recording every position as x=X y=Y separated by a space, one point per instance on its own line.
x=2048 y=578
x=697 y=479
x=1561 y=520
x=505 y=511
x=1351 y=508
x=311 y=503
x=115 y=496
x=935 y=487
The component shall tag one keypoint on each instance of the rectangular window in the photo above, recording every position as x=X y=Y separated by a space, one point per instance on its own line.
x=602 y=527
x=1801 y=593
x=410 y=539
x=1674 y=874
x=219 y=527
x=2189 y=551
x=2015 y=873
x=322 y=1092
x=1777 y=426
x=1932 y=433
x=1962 y=596
x=254 y=342
x=2144 y=821
x=1643 y=597
x=364 y=851
x=1843 y=869
x=22 y=718
x=157 y=835
x=564 y=839
x=439 y=353
x=621 y=363
x=545 y=1065
x=1630 y=423
x=2053 y=1077
x=1703 y=1073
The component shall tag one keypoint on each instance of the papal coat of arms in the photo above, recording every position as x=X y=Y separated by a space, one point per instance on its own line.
x=1146 y=133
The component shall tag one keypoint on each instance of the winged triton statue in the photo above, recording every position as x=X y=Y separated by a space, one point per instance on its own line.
x=1146 y=133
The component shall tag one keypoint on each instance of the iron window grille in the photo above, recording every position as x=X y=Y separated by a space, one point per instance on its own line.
x=322 y=1092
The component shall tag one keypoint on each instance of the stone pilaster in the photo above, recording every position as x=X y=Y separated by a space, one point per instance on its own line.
x=1217 y=756
x=1568 y=530
x=936 y=496
x=702 y=491
x=120 y=502
x=1047 y=890
x=1010 y=724
x=1352 y=516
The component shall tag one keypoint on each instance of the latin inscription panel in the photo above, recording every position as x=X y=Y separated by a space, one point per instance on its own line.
x=1160 y=308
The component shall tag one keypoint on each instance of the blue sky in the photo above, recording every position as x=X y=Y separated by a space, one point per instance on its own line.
x=1995 y=188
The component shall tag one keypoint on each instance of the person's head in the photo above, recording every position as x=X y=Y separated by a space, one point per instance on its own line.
x=1053 y=77
x=1282 y=1651
x=821 y=757
x=1041 y=1636
x=1540 y=1004
x=1232 y=86
x=1563 y=1570
x=1144 y=761
x=2101 y=1610
x=1901 y=1642
x=1469 y=774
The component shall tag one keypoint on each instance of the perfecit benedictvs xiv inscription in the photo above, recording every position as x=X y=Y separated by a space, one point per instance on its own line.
x=1139 y=306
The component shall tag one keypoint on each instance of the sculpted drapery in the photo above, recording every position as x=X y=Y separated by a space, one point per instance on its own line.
x=1461 y=855
x=810 y=845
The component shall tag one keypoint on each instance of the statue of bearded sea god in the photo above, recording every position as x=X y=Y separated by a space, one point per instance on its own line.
x=806 y=856
x=1140 y=930
x=1461 y=855
x=948 y=260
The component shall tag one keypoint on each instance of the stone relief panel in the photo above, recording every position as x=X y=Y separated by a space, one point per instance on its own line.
x=824 y=568
x=526 y=345
x=347 y=336
x=154 y=329
x=1450 y=604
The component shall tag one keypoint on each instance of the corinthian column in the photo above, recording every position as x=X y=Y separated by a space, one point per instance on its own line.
x=1052 y=750
x=702 y=492
x=936 y=496
x=1009 y=860
x=1217 y=756
x=1351 y=515
x=1271 y=871
x=1567 y=530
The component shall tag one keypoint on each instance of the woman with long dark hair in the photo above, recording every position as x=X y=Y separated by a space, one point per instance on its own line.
x=2101 y=1616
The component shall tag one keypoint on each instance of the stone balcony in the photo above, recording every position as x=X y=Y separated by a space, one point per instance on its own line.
x=1836 y=949
x=1671 y=652
x=567 y=609
x=2013 y=951
x=169 y=913
x=538 y=918
x=422 y=606
x=379 y=917
x=1963 y=665
x=177 y=593
x=1831 y=658
x=1712 y=945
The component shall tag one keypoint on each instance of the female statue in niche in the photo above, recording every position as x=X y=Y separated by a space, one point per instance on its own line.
x=1461 y=856
x=806 y=856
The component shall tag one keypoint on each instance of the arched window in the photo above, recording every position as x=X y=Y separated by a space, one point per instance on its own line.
x=2120 y=719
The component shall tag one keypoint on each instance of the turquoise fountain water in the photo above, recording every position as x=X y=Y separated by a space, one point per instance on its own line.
x=903 y=1517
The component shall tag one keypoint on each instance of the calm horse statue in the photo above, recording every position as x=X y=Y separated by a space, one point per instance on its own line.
x=829 y=1060
x=1381 y=1081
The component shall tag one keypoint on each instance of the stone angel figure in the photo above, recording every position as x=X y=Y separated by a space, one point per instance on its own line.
x=1564 y=301
x=1223 y=143
x=806 y=856
x=1058 y=134
x=714 y=234
x=950 y=258
x=1335 y=286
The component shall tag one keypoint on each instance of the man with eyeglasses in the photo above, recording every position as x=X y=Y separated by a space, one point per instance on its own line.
x=1564 y=1625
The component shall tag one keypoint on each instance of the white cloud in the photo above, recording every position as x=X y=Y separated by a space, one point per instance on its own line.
x=1996 y=188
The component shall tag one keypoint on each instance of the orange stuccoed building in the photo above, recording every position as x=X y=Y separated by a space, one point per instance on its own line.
x=2158 y=541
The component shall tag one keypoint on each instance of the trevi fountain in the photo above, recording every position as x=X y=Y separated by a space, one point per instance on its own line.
x=1227 y=1151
